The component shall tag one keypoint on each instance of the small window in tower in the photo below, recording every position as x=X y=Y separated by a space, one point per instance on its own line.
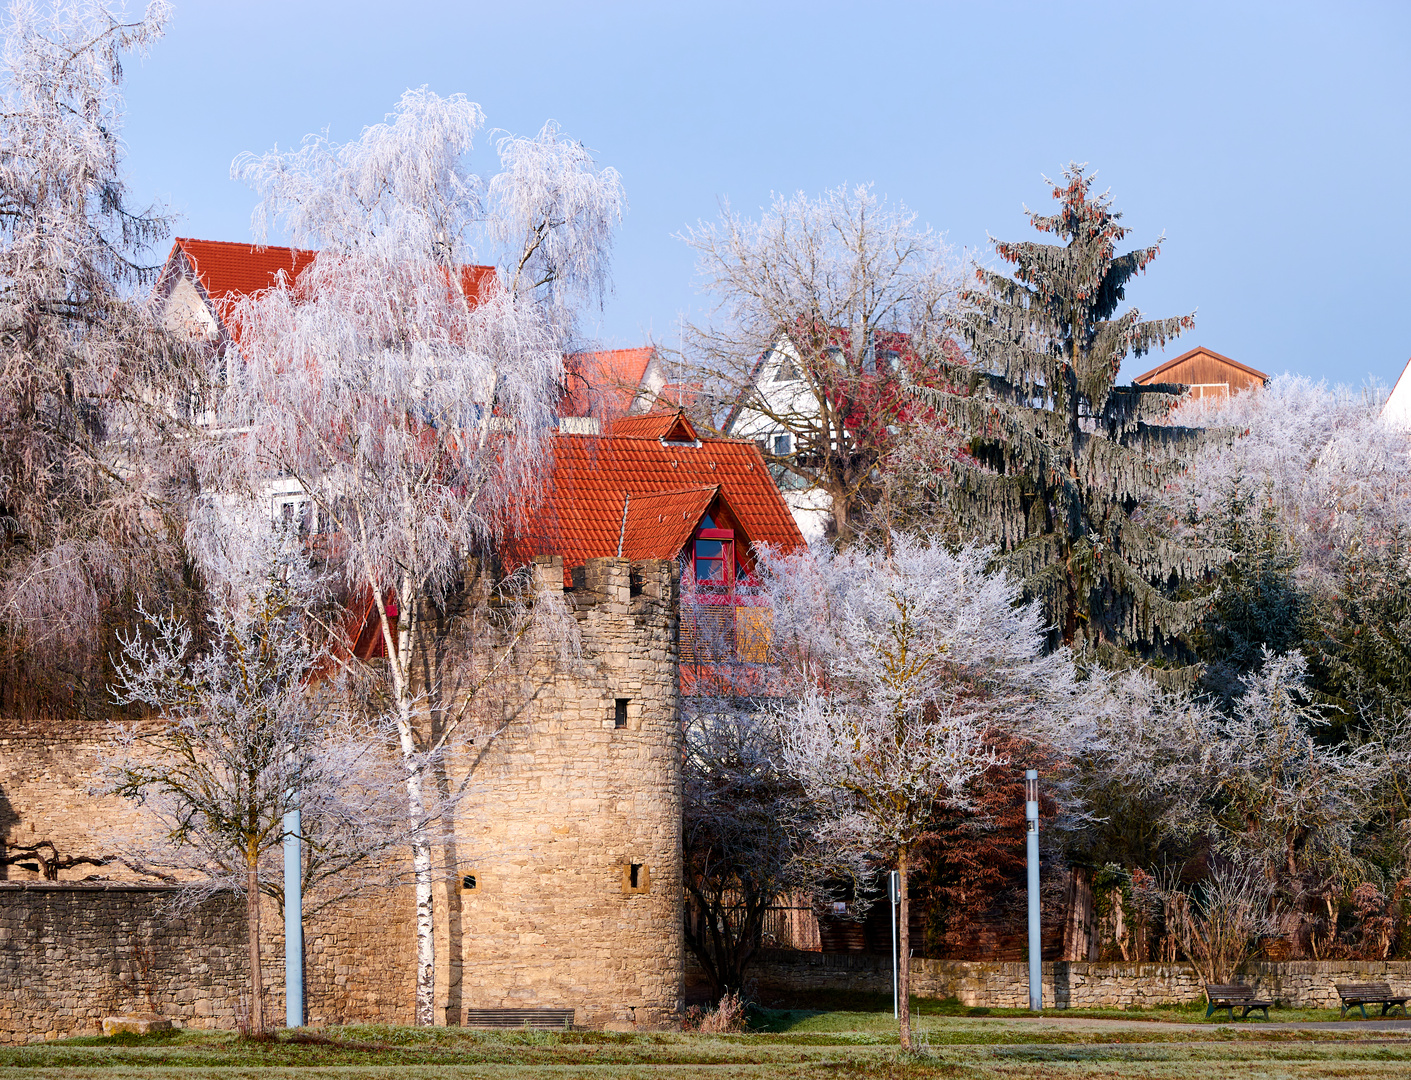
x=619 y=712
x=636 y=878
x=468 y=882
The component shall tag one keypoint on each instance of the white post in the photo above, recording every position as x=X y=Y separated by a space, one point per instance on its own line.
x=1031 y=818
x=293 y=923
x=894 y=894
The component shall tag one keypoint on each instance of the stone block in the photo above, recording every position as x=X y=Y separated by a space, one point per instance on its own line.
x=136 y=1023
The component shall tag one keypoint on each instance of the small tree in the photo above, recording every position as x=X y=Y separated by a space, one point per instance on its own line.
x=827 y=307
x=1219 y=925
x=234 y=740
x=410 y=395
x=903 y=658
x=1064 y=465
x=744 y=834
x=1281 y=800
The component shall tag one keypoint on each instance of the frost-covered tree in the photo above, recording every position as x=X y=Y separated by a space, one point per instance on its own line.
x=91 y=391
x=1064 y=464
x=825 y=308
x=904 y=658
x=1279 y=796
x=231 y=738
x=1336 y=474
x=1314 y=498
x=410 y=395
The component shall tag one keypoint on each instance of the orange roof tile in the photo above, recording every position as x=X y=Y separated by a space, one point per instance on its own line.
x=228 y=272
x=666 y=426
x=581 y=515
x=660 y=522
x=604 y=383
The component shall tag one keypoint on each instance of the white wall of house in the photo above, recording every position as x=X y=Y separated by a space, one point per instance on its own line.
x=785 y=395
x=1397 y=410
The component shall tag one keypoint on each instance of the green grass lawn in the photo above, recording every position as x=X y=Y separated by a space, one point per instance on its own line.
x=852 y=1039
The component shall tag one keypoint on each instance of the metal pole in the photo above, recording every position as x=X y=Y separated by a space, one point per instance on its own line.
x=894 y=894
x=293 y=923
x=1031 y=818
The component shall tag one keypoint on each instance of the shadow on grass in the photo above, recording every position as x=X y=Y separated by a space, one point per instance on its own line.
x=127 y=1038
x=782 y=1014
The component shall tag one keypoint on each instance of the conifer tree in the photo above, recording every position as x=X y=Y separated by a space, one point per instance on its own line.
x=1062 y=462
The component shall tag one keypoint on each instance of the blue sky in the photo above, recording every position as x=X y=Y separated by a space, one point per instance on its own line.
x=1268 y=141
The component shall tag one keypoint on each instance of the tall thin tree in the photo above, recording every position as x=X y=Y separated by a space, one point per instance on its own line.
x=410 y=394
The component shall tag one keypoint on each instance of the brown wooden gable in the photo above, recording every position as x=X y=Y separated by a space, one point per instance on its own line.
x=1206 y=372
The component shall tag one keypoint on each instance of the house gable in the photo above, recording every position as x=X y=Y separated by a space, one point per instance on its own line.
x=1206 y=372
x=594 y=482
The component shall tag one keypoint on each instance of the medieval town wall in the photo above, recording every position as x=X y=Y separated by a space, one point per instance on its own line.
x=572 y=794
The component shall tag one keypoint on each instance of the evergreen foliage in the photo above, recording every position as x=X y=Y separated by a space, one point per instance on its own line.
x=1063 y=463
x=1360 y=642
x=1258 y=604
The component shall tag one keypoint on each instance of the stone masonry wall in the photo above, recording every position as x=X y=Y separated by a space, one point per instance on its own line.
x=1067 y=985
x=563 y=804
x=72 y=954
x=566 y=805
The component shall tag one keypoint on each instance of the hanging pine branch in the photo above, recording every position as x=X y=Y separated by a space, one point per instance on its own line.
x=1062 y=463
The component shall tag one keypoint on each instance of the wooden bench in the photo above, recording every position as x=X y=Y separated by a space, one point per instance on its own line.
x=1231 y=997
x=543 y=1019
x=1364 y=994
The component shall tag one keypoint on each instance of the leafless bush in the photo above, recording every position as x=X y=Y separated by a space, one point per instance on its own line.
x=1217 y=928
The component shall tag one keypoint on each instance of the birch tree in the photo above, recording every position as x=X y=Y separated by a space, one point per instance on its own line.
x=92 y=393
x=408 y=393
x=904 y=659
x=825 y=307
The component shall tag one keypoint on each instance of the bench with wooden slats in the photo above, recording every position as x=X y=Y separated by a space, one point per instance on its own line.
x=542 y=1019
x=1372 y=993
x=1233 y=996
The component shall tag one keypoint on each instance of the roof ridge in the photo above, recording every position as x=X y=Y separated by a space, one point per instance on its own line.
x=1208 y=352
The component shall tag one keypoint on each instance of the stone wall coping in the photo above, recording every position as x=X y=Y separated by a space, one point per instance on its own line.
x=869 y=961
x=86 y=886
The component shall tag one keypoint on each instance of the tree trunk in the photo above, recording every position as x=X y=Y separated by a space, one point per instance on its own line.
x=904 y=946
x=252 y=920
x=425 y=925
x=399 y=667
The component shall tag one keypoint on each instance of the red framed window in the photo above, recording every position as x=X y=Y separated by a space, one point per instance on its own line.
x=714 y=557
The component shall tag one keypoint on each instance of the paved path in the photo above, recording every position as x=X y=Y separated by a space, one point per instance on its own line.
x=1096 y=1024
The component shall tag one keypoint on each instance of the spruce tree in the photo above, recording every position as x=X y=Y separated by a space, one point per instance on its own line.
x=1063 y=464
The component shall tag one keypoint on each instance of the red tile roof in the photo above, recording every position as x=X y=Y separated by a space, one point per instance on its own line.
x=581 y=516
x=228 y=272
x=604 y=383
x=664 y=520
x=666 y=426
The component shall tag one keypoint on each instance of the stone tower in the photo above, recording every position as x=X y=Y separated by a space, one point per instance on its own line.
x=576 y=901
